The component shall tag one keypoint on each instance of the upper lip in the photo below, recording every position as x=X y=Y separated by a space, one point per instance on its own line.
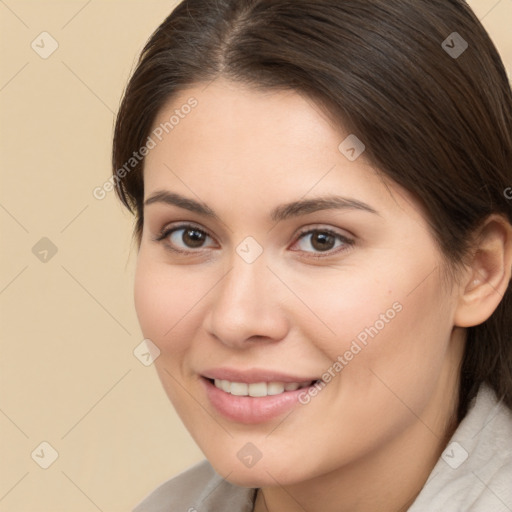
x=253 y=375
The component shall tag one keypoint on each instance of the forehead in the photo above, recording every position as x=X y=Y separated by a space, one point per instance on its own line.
x=245 y=121
x=257 y=145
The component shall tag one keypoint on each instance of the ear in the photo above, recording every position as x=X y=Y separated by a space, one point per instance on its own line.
x=488 y=274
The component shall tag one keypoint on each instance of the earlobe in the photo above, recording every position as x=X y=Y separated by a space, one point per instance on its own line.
x=488 y=275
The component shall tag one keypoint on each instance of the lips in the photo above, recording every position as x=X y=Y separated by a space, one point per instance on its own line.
x=255 y=375
x=253 y=396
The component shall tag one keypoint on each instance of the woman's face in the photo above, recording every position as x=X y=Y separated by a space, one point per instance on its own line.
x=270 y=255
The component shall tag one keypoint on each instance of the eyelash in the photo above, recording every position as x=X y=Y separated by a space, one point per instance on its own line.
x=348 y=243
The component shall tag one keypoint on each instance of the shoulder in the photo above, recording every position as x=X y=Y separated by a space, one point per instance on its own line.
x=198 y=488
x=475 y=470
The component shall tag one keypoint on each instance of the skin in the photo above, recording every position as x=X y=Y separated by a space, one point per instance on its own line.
x=370 y=438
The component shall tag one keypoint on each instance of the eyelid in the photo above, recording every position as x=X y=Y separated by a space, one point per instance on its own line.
x=324 y=229
x=168 y=229
x=348 y=241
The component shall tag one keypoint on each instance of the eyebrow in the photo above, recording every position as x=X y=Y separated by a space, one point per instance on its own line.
x=280 y=213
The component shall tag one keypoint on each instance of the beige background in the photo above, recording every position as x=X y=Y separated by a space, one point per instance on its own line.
x=69 y=376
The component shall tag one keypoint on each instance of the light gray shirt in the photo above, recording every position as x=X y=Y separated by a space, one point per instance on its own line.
x=474 y=473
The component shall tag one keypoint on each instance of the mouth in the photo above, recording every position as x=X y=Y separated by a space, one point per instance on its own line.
x=259 y=389
x=254 y=402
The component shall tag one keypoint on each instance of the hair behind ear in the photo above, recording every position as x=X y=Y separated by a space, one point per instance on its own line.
x=488 y=354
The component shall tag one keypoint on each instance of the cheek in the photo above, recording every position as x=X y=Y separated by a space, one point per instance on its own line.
x=162 y=300
x=153 y=302
x=397 y=347
x=383 y=321
x=165 y=306
x=345 y=306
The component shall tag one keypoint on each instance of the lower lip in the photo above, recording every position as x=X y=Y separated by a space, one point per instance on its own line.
x=248 y=409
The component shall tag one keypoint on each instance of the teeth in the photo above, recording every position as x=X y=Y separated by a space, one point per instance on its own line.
x=275 y=388
x=239 y=388
x=259 y=389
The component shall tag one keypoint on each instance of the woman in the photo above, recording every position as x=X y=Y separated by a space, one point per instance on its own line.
x=325 y=252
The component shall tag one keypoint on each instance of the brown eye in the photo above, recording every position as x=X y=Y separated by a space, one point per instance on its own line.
x=318 y=241
x=322 y=241
x=193 y=238
x=184 y=238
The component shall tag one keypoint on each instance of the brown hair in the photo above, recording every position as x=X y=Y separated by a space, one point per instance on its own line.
x=433 y=121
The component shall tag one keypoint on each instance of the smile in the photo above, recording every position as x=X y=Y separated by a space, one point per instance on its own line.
x=266 y=397
x=259 y=389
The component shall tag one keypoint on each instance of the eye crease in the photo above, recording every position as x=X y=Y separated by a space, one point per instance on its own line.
x=323 y=240
x=325 y=237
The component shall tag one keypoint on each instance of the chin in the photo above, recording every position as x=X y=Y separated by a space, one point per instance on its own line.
x=253 y=478
x=264 y=473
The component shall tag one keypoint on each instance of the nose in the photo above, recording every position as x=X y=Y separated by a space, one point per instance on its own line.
x=247 y=306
